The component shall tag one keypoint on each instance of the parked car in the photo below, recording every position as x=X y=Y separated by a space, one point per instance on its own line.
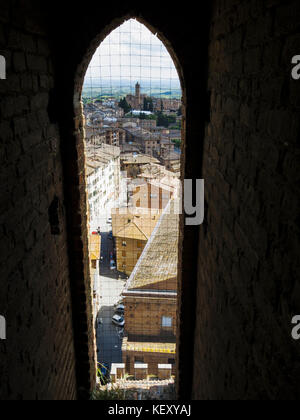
x=118 y=320
x=120 y=309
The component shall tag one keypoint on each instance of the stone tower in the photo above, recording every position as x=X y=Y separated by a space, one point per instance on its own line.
x=138 y=94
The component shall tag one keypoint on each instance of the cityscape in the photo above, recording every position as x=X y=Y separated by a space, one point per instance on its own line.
x=150 y=197
x=133 y=152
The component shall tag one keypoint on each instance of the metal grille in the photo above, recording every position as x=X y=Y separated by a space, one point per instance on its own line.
x=132 y=107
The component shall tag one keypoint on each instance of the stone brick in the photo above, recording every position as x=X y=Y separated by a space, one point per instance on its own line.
x=261 y=171
x=19 y=62
x=239 y=271
x=36 y=63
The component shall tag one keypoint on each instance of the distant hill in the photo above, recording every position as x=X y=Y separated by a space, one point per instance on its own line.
x=98 y=89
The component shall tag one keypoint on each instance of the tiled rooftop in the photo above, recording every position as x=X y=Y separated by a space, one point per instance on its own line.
x=134 y=223
x=159 y=259
x=139 y=159
x=98 y=156
x=155 y=171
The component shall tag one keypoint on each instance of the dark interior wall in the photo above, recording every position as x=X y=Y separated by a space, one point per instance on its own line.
x=248 y=278
x=37 y=359
x=44 y=274
x=246 y=254
x=74 y=37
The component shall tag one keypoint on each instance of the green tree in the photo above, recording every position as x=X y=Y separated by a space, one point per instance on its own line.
x=125 y=106
x=145 y=104
x=161 y=120
x=177 y=143
x=165 y=120
x=151 y=106
x=148 y=104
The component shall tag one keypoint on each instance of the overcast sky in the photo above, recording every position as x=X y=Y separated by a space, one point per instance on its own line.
x=132 y=52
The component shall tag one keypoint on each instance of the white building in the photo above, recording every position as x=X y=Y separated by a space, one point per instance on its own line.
x=103 y=181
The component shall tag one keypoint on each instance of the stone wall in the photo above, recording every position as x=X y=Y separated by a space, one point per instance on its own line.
x=37 y=361
x=239 y=278
x=144 y=318
x=248 y=275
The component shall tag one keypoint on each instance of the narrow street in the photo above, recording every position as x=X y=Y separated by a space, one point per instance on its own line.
x=109 y=341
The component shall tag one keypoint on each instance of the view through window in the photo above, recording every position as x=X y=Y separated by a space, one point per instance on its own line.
x=133 y=118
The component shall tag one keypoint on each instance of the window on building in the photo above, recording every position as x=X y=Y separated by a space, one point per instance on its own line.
x=139 y=360
x=167 y=322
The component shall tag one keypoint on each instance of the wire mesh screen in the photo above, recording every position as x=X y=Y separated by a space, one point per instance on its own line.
x=133 y=117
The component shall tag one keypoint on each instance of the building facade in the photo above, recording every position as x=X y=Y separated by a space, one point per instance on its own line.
x=153 y=143
x=150 y=299
x=94 y=253
x=103 y=180
x=133 y=163
x=136 y=101
x=131 y=229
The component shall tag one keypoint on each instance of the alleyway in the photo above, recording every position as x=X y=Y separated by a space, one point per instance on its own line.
x=109 y=341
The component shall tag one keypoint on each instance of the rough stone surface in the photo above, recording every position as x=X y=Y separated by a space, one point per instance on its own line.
x=239 y=271
x=37 y=361
x=248 y=274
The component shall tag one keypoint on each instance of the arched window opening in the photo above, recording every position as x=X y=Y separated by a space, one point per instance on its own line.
x=133 y=121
